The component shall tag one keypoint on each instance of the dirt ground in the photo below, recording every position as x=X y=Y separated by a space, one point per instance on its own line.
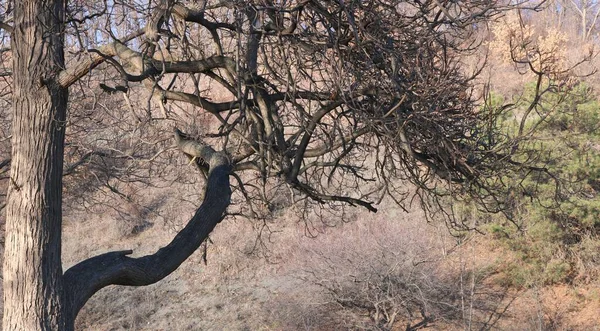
x=276 y=284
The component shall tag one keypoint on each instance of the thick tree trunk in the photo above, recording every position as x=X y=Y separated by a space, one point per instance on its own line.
x=33 y=289
x=37 y=296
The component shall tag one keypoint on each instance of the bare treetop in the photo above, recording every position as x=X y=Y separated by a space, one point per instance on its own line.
x=340 y=100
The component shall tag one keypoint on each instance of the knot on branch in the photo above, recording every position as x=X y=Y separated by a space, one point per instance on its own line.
x=196 y=148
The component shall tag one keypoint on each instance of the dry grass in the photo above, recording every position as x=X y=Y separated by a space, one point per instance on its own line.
x=279 y=285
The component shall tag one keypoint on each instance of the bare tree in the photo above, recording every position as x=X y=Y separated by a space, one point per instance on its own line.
x=587 y=14
x=340 y=101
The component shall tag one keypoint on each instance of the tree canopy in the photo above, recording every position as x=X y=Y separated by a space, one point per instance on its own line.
x=341 y=102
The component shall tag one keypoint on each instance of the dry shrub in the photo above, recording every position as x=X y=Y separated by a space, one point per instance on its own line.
x=385 y=274
x=519 y=42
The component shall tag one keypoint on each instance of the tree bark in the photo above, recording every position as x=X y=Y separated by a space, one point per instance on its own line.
x=37 y=296
x=33 y=285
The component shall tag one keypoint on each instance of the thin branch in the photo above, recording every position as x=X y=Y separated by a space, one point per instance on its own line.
x=7 y=27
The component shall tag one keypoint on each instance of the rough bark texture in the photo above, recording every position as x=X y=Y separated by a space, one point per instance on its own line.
x=34 y=295
x=32 y=263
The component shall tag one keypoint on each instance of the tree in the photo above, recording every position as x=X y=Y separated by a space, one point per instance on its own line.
x=587 y=13
x=339 y=101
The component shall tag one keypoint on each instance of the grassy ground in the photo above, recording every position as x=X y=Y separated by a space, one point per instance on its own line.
x=295 y=282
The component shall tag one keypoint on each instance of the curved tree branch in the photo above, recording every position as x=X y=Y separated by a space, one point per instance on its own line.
x=116 y=268
x=80 y=68
x=197 y=16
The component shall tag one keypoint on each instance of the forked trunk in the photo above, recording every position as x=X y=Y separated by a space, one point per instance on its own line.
x=33 y=289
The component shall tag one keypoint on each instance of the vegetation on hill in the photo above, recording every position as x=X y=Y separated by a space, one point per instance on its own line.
x=482 y=115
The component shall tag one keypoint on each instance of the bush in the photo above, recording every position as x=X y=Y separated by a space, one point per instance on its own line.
x=550 y=213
